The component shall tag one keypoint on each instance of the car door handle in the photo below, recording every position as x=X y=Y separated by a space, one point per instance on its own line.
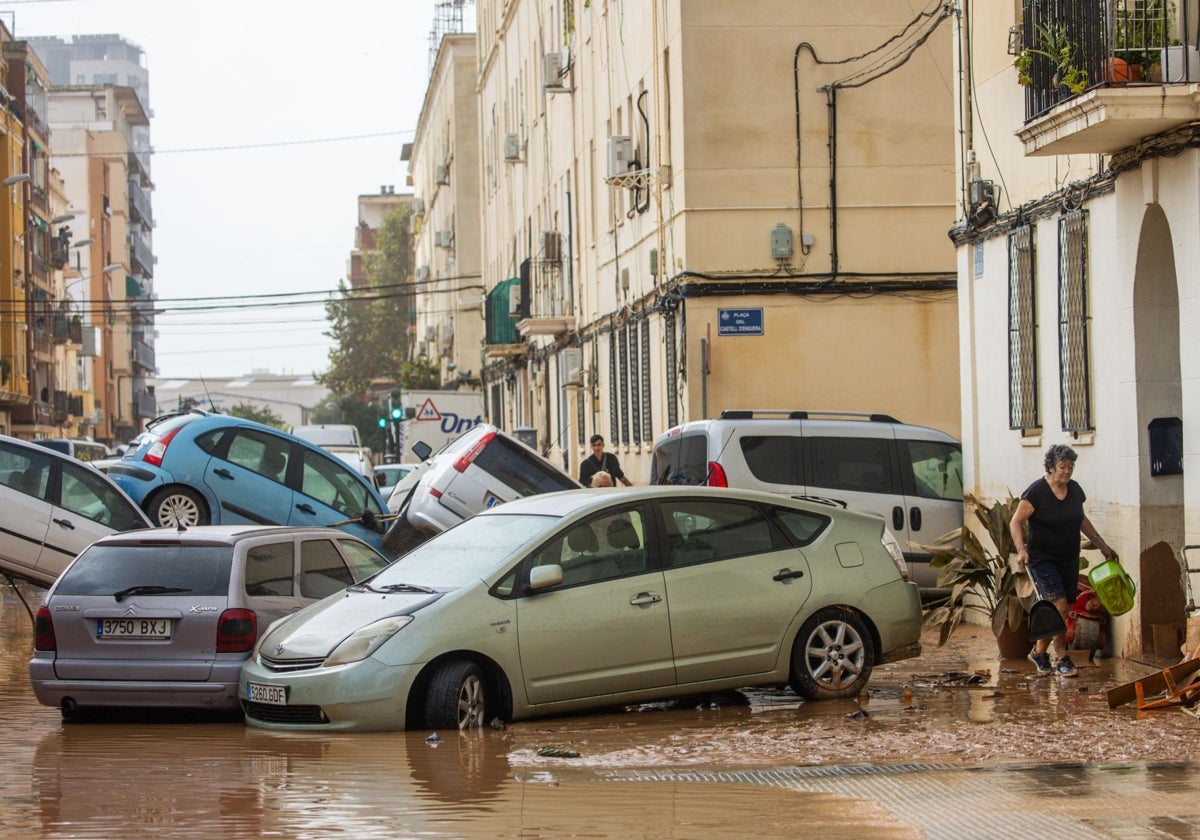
x=897 y=518
x=224 y=473
x=914 y=518
x=65 y=523
x=788 y=574
x=306 y=508
x=643 y=598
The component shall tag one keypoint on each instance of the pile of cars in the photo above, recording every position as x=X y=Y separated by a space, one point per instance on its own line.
x=517 y=593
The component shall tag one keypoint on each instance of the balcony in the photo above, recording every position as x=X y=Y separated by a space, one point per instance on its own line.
x=145 y=406
x=143 y=356
x=139 y=204
x=501 y=338
x=1100 y=77
x=141 y=256
x=546 y=304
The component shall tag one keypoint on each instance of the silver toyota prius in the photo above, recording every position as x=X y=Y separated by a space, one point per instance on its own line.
x=594 y=598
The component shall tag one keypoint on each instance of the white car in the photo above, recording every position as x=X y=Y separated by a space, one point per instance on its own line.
x=52 y=507
x=388 y=476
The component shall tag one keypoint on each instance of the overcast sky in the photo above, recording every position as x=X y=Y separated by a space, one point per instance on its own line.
x=280 y=218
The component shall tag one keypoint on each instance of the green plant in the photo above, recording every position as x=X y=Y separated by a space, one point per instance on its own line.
x=1054 y=44
x=1141 y=30
x=979 y=577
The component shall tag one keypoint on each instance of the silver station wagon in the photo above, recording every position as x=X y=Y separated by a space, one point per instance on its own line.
x=165 y=617
x=593 y=598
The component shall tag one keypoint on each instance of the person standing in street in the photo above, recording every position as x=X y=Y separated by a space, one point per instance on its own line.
x=601 y=460
x=1053 y=508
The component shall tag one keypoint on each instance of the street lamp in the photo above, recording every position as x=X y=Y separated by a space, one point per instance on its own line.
x=65 y=217
x=15 y=179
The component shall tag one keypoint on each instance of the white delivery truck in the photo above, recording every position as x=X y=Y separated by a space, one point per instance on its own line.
x=341 y=441
x=438 y=417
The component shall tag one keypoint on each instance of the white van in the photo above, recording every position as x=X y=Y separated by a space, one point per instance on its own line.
x=81 y=449
x=909 y=475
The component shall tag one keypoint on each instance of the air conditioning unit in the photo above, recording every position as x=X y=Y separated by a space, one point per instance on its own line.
x=418 y=206
x=422 y=273
x=620 y=154
x=441 y=174
x=552 y=71
x=551 y=246
x=443 y=238
x=512 y=147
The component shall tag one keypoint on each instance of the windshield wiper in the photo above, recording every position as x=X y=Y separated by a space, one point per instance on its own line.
x=147 y=590
x=404 y=587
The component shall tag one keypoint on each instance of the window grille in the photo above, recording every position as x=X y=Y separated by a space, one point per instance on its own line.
x=623 y=388
x=671 y=370
x=614 y=428
x=1022 y=330
x=647 y=416
x=635 y=384
x=1074 y=382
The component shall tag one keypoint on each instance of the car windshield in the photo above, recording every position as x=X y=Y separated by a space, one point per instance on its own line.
x=466 y=552
x=187 y=569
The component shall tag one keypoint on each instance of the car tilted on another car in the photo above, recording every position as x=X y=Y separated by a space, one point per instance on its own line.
x=166 y=617
x=197 y=468
x=590 y=599
x=52 y=507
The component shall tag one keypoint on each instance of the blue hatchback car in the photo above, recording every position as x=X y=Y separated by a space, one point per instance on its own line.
x=197 y=468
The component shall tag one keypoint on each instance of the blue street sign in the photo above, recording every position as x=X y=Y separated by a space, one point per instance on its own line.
x=739 y=321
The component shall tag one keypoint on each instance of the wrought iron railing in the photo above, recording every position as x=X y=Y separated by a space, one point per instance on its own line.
x=1068 y=47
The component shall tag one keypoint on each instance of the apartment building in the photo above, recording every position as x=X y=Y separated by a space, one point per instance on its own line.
x=1079 y=201
x=694 y=206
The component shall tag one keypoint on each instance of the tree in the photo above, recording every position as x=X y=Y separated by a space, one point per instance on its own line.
x=370 y=324
x=261 y=415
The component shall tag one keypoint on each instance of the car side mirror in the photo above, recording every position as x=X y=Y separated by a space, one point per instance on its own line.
x=542 y=577
x=422 y=449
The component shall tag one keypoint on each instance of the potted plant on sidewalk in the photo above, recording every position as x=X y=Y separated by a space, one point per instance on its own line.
x=981 y=578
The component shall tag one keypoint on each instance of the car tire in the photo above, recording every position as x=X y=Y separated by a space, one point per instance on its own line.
x=457 y=697
x=833 y=655
x=175 y=506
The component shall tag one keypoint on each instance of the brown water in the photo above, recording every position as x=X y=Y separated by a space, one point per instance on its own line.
x=646 y=772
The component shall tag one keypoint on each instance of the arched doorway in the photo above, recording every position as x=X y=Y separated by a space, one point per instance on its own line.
x=1159 y=396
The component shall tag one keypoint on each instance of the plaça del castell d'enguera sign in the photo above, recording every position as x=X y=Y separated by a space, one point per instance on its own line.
x=740 y=321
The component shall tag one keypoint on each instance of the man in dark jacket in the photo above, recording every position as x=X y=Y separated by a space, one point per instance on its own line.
x=601 y=460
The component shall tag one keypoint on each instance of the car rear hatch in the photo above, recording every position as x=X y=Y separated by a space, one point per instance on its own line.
x=141 y=612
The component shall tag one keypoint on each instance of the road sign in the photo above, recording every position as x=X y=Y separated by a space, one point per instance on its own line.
x=740 y=321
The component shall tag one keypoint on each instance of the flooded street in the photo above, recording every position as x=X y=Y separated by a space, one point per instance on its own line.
x=1001 y=753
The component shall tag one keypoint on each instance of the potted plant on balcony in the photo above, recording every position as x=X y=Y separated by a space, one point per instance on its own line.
x=981 y=578
x=1140 y=34
x=1054 y=44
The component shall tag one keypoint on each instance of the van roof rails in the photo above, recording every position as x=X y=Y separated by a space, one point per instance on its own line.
x=802 y=414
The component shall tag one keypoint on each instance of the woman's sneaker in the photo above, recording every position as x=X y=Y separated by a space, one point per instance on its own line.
x=1041 y=661
x=1066 y=668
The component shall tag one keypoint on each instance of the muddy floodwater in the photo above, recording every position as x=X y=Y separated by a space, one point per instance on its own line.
x=936 y=744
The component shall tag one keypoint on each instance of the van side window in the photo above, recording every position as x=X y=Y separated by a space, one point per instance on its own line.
x=774 y=459
x=322 y=570
x=269 y=570
x=861 y=465
x=936 y=468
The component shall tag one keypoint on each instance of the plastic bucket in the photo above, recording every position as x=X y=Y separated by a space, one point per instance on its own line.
x=1113 y=586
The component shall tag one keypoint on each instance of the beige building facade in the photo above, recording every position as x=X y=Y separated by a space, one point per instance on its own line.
x=1078 y=212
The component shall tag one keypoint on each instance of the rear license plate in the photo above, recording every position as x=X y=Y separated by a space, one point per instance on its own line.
x=133 y=628
x=272 y=695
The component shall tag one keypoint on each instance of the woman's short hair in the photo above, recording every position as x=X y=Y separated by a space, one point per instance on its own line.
x=1059 y=452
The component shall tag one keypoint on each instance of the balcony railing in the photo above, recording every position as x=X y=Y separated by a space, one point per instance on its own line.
x=1069 y=47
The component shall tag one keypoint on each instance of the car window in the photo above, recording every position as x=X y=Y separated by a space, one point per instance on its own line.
x=703 y=530
x=681 y=460
x=607 y=547
x=937 y=469
x=521 y=468
x=774 y=459
x=269 y=570
x=209 y=441
x=85 y=493
x=196 y=570
x=365 y=560
x=261 y=453
x=801 y=526
x=333 y=484
x=862 y=465
x=322 y=569
x=25 y=471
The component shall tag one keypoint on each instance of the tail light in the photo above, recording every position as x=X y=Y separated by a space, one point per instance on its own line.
x=43 y=631
x=237 y=631
x=154 y=455
x=470 y=455
x=716 y=475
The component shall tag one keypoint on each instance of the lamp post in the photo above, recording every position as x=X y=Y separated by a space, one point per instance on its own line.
x=15 y=179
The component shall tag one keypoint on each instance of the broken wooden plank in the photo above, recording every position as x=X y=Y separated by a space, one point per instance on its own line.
x=1152 y=684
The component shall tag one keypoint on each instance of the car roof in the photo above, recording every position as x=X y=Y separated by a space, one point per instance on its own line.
x=812 y=419
x=570 y=502
x=220 y=534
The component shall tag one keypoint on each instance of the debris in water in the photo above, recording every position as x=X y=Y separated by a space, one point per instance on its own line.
x=859 y=715
x=555 y=752
x=433 y=738
x=498 y=724
x=908 y=698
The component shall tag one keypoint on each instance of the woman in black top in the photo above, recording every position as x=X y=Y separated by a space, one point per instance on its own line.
x=1053 y=508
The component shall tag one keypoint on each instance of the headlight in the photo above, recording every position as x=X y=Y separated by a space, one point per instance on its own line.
x=366 y=640
x=892 y=546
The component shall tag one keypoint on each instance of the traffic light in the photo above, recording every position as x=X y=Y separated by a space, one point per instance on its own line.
x=383 y=422
x=397 y=413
